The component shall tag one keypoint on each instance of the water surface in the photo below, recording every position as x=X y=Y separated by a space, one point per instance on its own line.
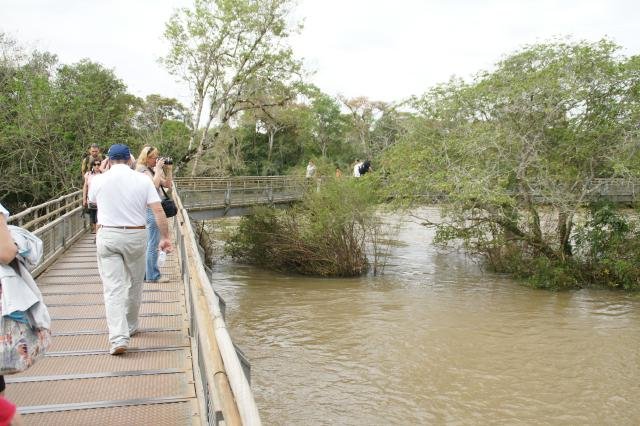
x=435 y=340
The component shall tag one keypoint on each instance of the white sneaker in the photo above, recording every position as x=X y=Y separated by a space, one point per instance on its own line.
x=118 y=348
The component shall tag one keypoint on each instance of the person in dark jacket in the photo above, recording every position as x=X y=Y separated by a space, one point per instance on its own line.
x=365 y=168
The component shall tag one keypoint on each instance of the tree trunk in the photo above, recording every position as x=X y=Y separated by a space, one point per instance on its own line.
x=271 y=137
x=200 y=150
x=565 y=224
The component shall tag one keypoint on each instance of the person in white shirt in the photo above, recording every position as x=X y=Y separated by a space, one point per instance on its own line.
x=122 y=196
x=356 y=168
x=311 y=169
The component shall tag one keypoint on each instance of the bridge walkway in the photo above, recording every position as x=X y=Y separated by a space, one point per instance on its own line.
x=78 y=382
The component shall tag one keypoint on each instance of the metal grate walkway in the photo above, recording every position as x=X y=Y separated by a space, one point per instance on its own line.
x=79 y=383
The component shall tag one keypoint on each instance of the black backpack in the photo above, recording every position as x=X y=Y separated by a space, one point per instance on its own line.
x=365 y=167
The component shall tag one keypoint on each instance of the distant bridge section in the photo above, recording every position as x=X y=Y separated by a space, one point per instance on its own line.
x=616 y=190
x=214 y=197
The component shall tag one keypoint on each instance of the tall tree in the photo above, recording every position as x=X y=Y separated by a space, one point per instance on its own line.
x=93 y=104
x=363 y=113
x=164 y=123
x=518 y=149
x=49 y=114
x=229 y=52
x=326 y=121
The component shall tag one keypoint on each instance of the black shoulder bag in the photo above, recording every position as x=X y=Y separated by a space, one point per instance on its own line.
x=169 y=207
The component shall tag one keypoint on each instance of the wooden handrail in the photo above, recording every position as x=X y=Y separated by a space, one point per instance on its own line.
x=63 y=205
x=222 y=366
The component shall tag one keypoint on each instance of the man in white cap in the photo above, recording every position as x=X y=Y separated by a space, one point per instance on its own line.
x=122 y=196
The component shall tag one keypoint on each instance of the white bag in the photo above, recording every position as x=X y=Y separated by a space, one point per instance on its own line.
x=29 y=246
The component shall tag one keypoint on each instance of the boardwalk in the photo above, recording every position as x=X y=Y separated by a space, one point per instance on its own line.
x=78 y=382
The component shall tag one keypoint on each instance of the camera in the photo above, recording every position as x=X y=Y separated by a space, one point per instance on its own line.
x=168 y=161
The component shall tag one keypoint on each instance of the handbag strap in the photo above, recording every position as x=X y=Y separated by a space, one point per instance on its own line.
x=164 y=192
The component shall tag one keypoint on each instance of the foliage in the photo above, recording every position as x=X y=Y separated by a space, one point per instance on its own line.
x=234 y=56
x=325 y=235
x=50 y=114
x=608 y=248
x=373 y=126
x=516 y=151
x=283 y=139
x=163 y=123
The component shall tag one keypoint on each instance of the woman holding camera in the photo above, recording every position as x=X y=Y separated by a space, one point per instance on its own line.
x=155 y=167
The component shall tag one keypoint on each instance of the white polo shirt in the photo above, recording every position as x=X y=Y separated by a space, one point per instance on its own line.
x=122 y=196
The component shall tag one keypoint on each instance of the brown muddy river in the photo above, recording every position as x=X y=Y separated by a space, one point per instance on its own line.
x=435 y=340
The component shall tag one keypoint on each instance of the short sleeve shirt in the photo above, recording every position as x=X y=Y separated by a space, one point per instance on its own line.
x=122 y=196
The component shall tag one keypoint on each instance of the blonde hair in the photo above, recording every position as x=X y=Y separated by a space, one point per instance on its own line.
x=144 y=154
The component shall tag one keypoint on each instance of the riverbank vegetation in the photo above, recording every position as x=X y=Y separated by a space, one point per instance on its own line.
x=517 y=152
x=334 y=232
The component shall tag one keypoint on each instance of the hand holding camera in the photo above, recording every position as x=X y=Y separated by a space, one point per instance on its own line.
x=167 y=164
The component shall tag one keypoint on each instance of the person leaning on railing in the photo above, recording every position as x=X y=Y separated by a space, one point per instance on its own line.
x=154 y=167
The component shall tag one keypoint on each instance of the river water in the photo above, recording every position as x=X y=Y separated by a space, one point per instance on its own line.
x=434 y=340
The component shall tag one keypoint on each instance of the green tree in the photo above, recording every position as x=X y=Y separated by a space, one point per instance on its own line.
x=327 y=123
x=93 y=104
x=363 y=114
x=49 y=115
x=535 y=132
x=387 y=130
x=163 y=122
x=231 y=53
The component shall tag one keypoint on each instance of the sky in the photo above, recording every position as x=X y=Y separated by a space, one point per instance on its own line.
x=386 y=50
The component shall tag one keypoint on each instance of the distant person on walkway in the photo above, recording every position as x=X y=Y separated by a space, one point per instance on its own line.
x=311 y=169
x=8 y=251
x=122 y=196
x=365 y=168
x=154 y=168
x=93 y=154
x=356 y=168
x=338 y=173
x=91 y=207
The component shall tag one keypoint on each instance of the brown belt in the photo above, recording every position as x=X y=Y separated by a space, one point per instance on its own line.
x=122 y=227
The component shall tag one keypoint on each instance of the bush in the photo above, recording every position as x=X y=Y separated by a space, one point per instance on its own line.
x=607 y=247
x=326 y=234
x=606 y=253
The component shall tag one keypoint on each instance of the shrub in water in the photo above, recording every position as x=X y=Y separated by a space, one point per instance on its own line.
x=326 y=234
